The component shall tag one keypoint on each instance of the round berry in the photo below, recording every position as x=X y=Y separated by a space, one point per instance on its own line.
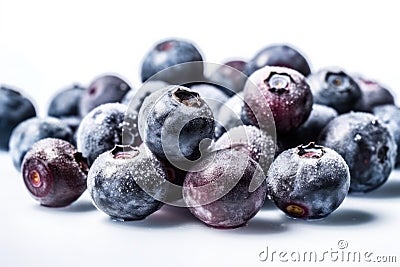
x=173 y=121
x=104 y=89
x=14 y=108
x=126 y=183
x=284 y=91
x=66 y=102
x=219 y=194
x=308 y=182
x=54 y=172
x=103 y=128
x=366 y=145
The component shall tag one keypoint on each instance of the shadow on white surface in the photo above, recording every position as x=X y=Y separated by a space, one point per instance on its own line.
x=167 y=216
x=391 y=189
x=260 y=226
x=341 y=217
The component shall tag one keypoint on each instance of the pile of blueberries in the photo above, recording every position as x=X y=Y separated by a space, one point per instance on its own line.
x=218 y=142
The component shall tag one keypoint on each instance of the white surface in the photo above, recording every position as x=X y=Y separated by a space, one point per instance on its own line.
x=46 y=45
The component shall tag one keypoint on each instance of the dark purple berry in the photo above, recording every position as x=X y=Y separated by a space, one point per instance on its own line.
x=172 y=53
x=14 y=108
x=126 y=183
x=367 y=147
x=54 y=172
x=104 y=127
x=333 y=87
x=66 y=102
x=219 y=193
x=372 y=94
x=308 y=182
x=389 y=115
x=32 y=130
x=278 y=55
x=104 y=89
x=284 y=91
x=173 y=121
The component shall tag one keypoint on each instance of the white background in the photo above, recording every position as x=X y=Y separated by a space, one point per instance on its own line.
x=47 y=45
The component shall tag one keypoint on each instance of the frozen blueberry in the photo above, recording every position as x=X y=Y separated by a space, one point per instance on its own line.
x=389 y=115
x=104 y=89
x=32 y=130
x=278 y=55
x=213 y=96
x=308 y=182
x=310 y=130
x=14 y=108
x=229 y=76
x=135 y=97
x=54 y=172
x=335 y=88
x=219 y=193
x=372 y=94
x=366 y=145
x=104 y=127
x=172 y=53
x=66 y=102
x=173 y=121
x=284 y=92
x=126 y=183
x=257 y=144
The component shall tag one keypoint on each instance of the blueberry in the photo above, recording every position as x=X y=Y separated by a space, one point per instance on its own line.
x=170 y=53
x=103 y=128
x=54 y=172
x=213 y=96
x=389 y=115
x=366 y=145
x=229 y=76
x=135 y=97
x=310 y=130
x=335 y=88
x=218 y=193
x=285 y=92
x=32 y=130
x=278 y=55
x=372 y=94
x=104 y=89
x=66 y=102
x=308 y=182
x=257 y=144
x=14 y=108
x=173 y=121
x=123 y=182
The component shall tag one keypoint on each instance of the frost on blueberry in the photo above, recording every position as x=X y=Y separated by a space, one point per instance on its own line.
x=389 y=115
x=174 y=121
x=127 y=183
x=308 y=182
x=257 y=144
x=366 y=145
x=104 y=127
x=213 y=96
x=218 y=193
